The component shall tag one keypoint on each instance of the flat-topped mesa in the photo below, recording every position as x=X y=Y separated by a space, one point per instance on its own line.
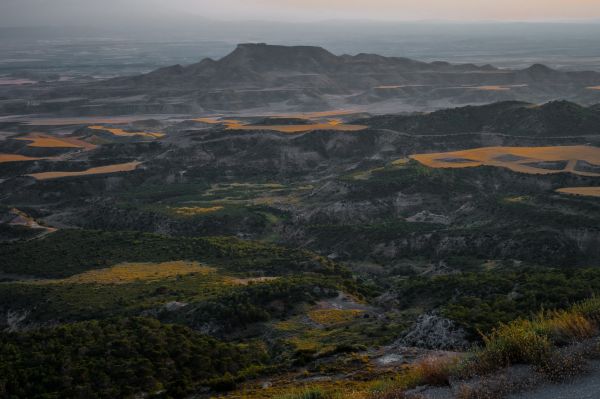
x=306 y=77
x=252 y=62
x=263 y=57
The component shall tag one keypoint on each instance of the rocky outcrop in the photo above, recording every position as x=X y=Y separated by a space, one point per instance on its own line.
x=13 y=320
x=435 y=332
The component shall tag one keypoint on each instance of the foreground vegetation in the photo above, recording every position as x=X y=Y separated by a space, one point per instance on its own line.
x=485 y=248
x=121 y=358
x=538 y=342
x=478 y=301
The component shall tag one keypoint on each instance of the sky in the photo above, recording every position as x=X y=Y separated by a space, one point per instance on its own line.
x=98 y=12
x=459 y=10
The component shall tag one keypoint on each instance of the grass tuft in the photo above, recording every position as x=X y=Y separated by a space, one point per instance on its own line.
x=431 y=370
x=436 y=370
x=564 y=326
x=515 y=342
x=589 y=308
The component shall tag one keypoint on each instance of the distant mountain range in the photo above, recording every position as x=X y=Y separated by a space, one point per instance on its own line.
x=301 y=78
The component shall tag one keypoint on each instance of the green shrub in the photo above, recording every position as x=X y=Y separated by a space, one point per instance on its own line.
x=515 y=342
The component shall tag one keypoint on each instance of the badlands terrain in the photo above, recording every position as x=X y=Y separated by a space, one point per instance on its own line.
x=264 y=226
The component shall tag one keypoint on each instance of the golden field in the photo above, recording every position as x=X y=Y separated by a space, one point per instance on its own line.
x=330 y=124
x=496 y=87
x=47 y=141
x=328 y=317
x=585 y=191
x=249 y=280
x=123 y=133
x=216 y=121
x=491 y=88
x=122 y=167
x=129 y=272
x=514 y=158
x=16 y=158
x=196 y=210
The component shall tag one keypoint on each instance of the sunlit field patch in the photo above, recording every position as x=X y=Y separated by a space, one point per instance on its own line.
x=250 y=280
x=496 y=87
x=585 y=191
x=122 y=167
x=47 y=141
x=329 y=124
x=129 y=272
x=593 y=88
x=216 y=121
x=517 y=199
x=124 y=133
x=16 y=158
x=401 y=161
x=196 y=210
x=491 y=88
x=329 y=317
x=518 y=159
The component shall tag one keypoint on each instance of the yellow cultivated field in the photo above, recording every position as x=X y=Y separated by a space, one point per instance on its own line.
x=47 y=141
x=491 y=88
x=401 y=161
x=518 y=199
x=196 y=210
x=330 y=317
x=129 y=272
x=216 y=121
x=123 y=133
x=496 y=87
x=207 y=120
x=251 y=280
x=593 y=88
x=122 y=167
x=586 y=191
x=16 y=158
x=515 y=158
x=330 y=124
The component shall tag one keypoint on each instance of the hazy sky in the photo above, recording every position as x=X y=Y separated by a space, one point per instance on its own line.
x=77 y=12
x=410 y=9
